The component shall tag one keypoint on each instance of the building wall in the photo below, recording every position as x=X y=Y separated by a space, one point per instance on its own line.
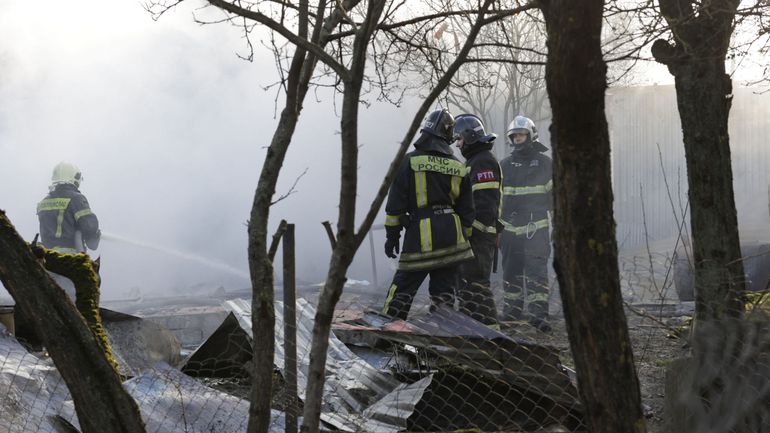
x=649 y=169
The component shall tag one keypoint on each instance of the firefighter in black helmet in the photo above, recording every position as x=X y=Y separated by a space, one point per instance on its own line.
x=431 y=198
x=475 y=294
x=526 y=243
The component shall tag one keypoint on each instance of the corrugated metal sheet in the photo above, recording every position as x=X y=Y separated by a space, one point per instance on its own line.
x=347 y=375
x=482 y=378
x=171 y=402
x=356 y=397
x=34 y=398
x=464 y=341
x=32 y=392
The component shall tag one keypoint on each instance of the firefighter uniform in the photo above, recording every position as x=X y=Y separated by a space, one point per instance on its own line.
x=475 y=293
x=431 y=197
x=62 y=213
x=527 y=185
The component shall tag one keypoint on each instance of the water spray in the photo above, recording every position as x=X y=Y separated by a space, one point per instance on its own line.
x=176 y=253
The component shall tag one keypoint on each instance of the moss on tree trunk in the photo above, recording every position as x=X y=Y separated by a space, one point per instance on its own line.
x=85 y=276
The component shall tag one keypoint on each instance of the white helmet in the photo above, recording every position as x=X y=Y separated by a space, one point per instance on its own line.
x=521 y=124
x=66 y=172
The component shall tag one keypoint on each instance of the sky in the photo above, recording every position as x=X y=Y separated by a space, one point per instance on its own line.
x=169 y=128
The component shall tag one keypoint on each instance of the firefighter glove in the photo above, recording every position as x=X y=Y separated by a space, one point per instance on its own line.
x=391 y=247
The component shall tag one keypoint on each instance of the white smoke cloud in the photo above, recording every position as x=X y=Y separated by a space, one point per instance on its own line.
x=169 y=127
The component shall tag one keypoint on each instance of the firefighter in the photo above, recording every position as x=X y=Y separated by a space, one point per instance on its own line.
x=525 y=241
x=431 y=198
x=67 y=223
x=475 y=294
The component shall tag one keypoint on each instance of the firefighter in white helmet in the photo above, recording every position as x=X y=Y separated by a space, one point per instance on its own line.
x=525 y=241
x=67 y=223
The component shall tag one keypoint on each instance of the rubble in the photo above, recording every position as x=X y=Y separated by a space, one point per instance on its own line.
x=357 y=396
x=481 y=378
x=446 y=372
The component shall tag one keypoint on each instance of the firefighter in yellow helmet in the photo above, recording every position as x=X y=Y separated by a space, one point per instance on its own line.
x=67 y=223
x=431 y=197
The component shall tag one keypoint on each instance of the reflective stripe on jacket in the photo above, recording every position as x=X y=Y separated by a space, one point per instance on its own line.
x=431 y=197
x=486 y=184
x=527 y=189
x=63 y=212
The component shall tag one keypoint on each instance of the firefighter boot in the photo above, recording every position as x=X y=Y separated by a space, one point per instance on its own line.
x=513 y=309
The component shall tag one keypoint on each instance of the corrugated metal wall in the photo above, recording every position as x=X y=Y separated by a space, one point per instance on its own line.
x=646 y=138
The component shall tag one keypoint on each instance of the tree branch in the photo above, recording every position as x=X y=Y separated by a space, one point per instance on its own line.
x=330 y=233
x=429 y=100
x=501 y=60
x=263 y=19
x=276 y=239
x=291 y=190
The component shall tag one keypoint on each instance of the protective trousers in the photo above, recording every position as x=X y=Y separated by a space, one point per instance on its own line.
x=441 y=288
x=475 y=294
x=525 y=275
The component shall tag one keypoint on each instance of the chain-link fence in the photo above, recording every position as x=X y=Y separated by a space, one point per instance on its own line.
x=439 y=370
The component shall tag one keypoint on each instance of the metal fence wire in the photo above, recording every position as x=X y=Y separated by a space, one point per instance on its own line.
x=437 y=371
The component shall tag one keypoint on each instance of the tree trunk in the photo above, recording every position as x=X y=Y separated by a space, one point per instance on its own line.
x=347 y=242
x=260 y=265
x=586 y=259
x=327 y=301
x=696 y=59
x=261 y=269
x=704 y=95
x=101 y=403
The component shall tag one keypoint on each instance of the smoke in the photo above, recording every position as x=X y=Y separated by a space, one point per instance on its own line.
x=170 y=129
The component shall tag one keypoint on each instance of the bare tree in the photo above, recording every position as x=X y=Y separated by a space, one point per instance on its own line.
x=348 y=238
x=696 y=58
x=101 y=402
x=695 y=54
x=344 y=69
x=505 y=76
x=586 y=259
x=292 y=22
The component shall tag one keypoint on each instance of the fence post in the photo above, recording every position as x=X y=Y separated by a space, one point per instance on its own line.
x=290 y=329
x=374 y=262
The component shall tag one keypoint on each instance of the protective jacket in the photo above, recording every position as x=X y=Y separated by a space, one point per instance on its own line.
x=486 y=183
x=431 y=197
x=527 y=186
x=525 y=242
x=63 y=212
x=476 y=297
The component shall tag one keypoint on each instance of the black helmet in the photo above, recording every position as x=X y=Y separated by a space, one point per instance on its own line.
x=471 y=129
x=440 y=124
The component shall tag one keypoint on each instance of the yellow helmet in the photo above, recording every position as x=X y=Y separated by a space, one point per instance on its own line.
x=66 y=172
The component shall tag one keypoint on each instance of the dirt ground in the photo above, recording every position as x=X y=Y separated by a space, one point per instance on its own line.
x=654 y=348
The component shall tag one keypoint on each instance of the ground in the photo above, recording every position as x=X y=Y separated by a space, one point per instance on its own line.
x=654 y=346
